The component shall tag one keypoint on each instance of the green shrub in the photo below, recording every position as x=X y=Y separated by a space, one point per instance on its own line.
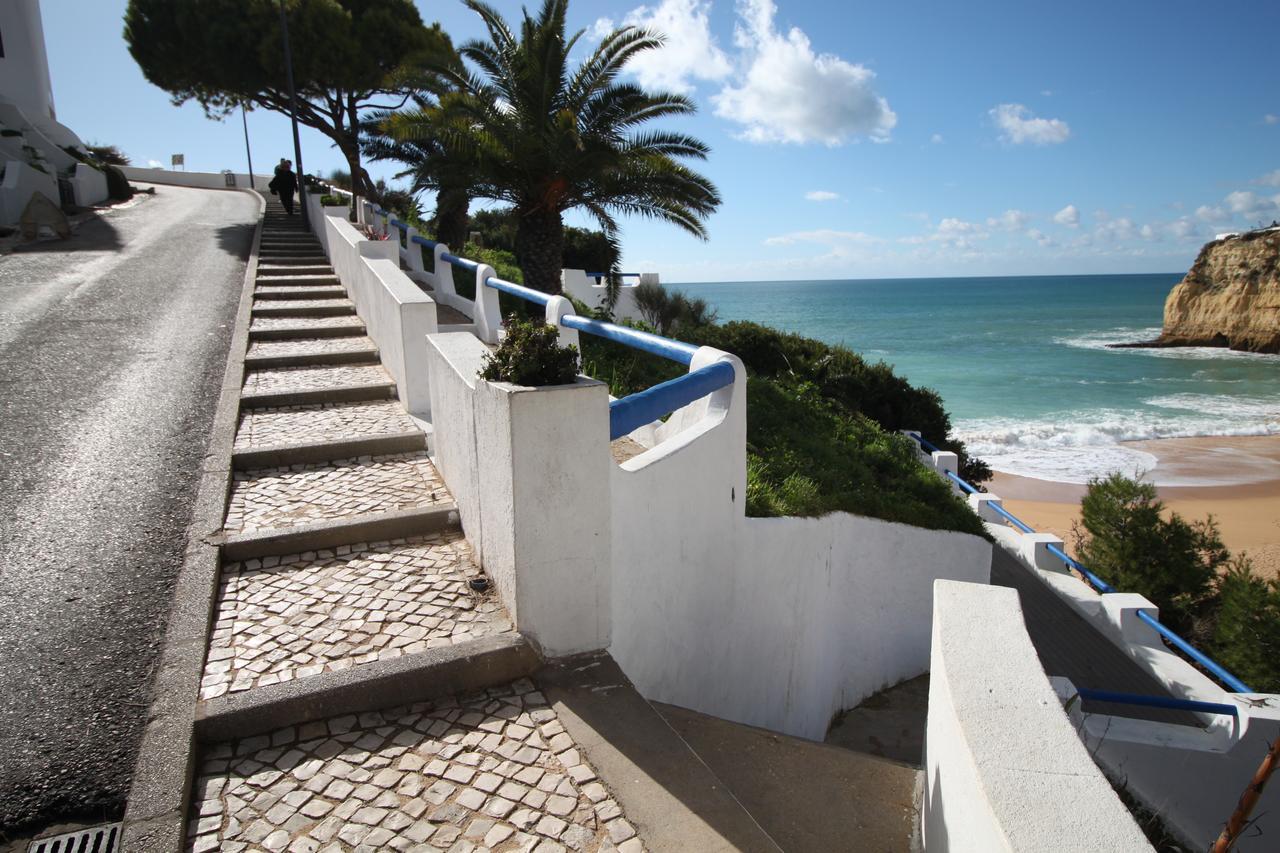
x=117 y=184
x=1246 y=637
x=1126 y=540
x=334 y=201
x=531 y=355
x=109 y=154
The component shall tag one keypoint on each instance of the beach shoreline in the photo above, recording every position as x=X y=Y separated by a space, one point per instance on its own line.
x=1236 y=479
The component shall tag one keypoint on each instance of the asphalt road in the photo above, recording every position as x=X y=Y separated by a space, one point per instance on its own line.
x=112 y=348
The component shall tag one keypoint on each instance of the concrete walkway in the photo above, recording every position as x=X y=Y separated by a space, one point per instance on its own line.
x=1071 y=647
x=112 y=345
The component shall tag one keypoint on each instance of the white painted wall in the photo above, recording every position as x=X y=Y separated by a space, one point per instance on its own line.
x=397 y=314
x=198 y=180
x=20 y=183
x=774 y=622
x=529 y=470
x=90 y=185
x=24 y=68
x=577 y=284
x=780 y=622
x=1005 y=770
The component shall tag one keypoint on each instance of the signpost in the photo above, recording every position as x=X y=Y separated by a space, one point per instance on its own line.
x=179 y=160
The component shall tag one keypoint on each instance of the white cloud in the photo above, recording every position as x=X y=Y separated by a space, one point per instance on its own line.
x=1048 y=93
x=1121 y=228
x=1248 y=203
x=821 y=195
x=825 y=236
x=784 y=92
x=1146 y=232
x=1010 y=220
x=154 y=164
x=1018 y=125
x=936 y=139
x=1205 y=213
x=689 y=52
x=1040 y=237
x=1271 y=179
x=1183 y=228
x=1271 y=118
x=1068 y=216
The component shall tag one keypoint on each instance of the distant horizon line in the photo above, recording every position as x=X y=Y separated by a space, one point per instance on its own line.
x=920 y=278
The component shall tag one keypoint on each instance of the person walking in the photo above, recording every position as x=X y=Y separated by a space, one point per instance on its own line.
x=285 y=184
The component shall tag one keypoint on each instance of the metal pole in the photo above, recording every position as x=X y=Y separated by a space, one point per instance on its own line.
x=247 y=153
x=293 y=115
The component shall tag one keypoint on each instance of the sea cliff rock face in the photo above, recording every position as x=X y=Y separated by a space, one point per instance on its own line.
x=1230 y=297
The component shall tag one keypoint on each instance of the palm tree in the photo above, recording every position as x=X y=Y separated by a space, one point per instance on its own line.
x=430 y=167
x=545 y=137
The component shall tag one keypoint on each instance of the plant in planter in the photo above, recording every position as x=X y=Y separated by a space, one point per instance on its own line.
x=333 y=201
x=531 y=355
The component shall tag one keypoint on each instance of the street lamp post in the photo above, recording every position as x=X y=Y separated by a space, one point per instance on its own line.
x=293 y=115
x=247 y=153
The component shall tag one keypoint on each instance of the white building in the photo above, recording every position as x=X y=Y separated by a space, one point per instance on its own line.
x=33 y=144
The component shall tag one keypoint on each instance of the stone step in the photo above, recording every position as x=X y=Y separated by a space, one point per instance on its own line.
x=328 y=279
x=275 y=271
x=271 y=307
x=289 y=435
x=490 y=769
x=302 y=292
x=302 y=328
x=311 y=352
x=298 y=386
x=294 y=616
x=310 y=259
x=273 y=499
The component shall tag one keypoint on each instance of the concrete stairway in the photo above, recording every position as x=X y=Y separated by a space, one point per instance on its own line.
x=360 y=693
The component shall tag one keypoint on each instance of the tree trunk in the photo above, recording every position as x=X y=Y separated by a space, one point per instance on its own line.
x=540 y=249
x=451 y=217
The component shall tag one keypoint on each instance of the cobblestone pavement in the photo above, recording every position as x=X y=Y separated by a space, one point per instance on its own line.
x=493 y=772
x=281 y=618
x=265 y=349
x=327 y=422
x=269 y=291
x=275 y=498
x=282 y=379
x=342 y=320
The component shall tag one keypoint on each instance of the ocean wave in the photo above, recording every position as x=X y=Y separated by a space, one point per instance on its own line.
x=1106 y=339
x=1074 y=447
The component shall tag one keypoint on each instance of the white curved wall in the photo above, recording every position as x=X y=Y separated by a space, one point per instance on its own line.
x=1005 y=769
x=24 y=70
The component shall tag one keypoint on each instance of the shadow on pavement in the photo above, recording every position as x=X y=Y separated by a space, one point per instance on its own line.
x=236 y=239
x=92 y=235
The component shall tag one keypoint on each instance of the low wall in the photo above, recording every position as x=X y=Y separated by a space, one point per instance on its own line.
x=1005 y=770
x=21 y=182
x=577 y=284
x=198 y=180
x=397 y=314
x=780 y=622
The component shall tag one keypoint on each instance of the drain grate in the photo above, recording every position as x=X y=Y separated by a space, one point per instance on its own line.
x=97 y=839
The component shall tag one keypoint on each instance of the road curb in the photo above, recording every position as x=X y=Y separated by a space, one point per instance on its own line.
x=156 y=806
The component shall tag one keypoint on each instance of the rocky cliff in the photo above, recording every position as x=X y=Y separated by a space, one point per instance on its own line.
x=1230 y=297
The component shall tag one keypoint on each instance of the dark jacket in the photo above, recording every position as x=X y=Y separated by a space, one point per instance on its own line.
x=285 y=182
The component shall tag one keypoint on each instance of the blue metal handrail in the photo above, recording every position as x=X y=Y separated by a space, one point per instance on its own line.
x=526 y=293
x=1235 y=684
x=397 y=223
x=1158 y=702
x=1011 y=518
x=929 y=446
x=618 y=274
x=677 y=351
x=961 y=482
x=645 y=407
x=464 y=263
x=1195 y=654
x=423 y=241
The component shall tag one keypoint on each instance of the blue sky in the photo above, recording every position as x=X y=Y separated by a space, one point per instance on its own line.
x=857 y=140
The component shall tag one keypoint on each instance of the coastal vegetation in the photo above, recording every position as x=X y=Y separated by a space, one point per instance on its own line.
x=1204 y=592
x=531 y=355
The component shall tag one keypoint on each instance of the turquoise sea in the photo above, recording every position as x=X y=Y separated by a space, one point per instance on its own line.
x=1022 y=362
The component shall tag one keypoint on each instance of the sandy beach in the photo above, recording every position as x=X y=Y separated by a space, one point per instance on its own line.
x=1235 y=479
